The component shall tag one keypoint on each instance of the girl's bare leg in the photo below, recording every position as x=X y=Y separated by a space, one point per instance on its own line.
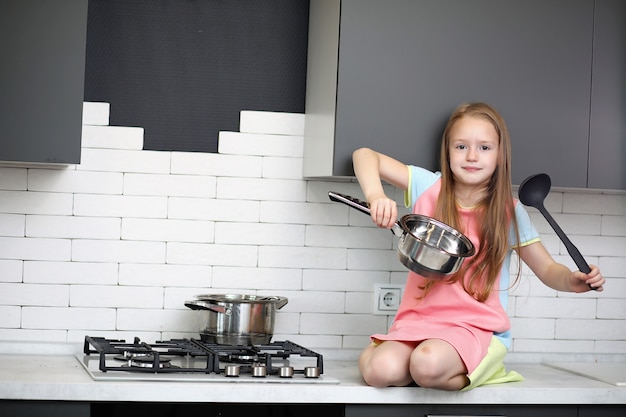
x=386 y=364
x=436 y=364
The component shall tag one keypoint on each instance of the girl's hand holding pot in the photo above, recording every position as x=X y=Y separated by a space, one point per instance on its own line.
x=384 y=211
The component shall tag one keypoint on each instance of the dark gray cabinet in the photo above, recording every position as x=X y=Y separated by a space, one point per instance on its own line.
x=42 y=77
x=386 y=75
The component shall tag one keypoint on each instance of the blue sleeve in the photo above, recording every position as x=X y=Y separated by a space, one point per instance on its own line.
x=527 y=232
x=420 y=180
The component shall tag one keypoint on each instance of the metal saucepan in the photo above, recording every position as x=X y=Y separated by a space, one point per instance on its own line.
x=427 y=246
x=236 y=319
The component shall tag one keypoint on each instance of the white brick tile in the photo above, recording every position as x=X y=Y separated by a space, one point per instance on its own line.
x=78 y=335
x=112 y=137
x=114 y=160
x=553 y=346
x=260 y=189
x=344 y=324
x=29 y=335
x=355 y=342
x=343 y=280
x=212 y=209
x=96 y=113
x=348 y=237
x=13 y=178
x=34 y=294
x=68 y=318
x=287 y=322
x=303 y=213
x=10 y=316
x=120 y=206
x=175 y=297
x=210 y=254
x=599 y=245
x=35 y=249
x=169 y=185
x=73 y=181
x=614 y=204
x=359 y=302
x=198 y=163
x=613 y=267
x=168 y=230
x=374 y=260
x=12 y=224
x=599 y=329
x=612 y=308
x=275 y=123
x=302 y=257
x=313 y=301
x=259 y=234
x=532 y=328
x=236 y=143
x=157 y=320
x=26 y=202
x=73 y=227
x=70 y=272
x=613 y=226
x=312 y=341
x=560 y=307
x=579 y=224
x=11 y=270
x=257 y=278
x=283 y=168
x=610 y=346
x=165 y=275
x=116 y=296
x=84 y=250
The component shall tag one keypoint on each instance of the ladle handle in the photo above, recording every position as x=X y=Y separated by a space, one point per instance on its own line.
x=571 y=248
x=363 y=207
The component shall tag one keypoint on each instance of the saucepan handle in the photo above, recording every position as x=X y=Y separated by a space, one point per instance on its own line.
x=363 y=207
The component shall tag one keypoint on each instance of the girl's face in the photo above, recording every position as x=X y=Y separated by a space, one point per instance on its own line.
x=473 y=151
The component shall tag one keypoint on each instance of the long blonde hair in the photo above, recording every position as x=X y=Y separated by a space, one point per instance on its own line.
x=495 y=211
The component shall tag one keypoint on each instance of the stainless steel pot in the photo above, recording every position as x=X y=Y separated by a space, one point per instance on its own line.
x=427 y=246
x=236 y=319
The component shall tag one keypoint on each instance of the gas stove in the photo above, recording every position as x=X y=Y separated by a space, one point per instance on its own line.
x=199 y=361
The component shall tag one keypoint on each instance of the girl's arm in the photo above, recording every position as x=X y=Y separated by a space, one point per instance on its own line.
x=557 y=276
x=371 y=168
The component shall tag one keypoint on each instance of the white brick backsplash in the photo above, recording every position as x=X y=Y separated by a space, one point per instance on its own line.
x=302 y=257
x=112 y=137
x=68 y=318
x=120 y=206
x=259 y=234
x=114 y=160
x=212 y=209
x=73 y=227
x=35 y=249
x=210 y=254
x=197 y=163
x=72 y=181
x=261 y=189
x=271 y=122
x=280 y=279
x=96 y=113
x=168 y=230
x=169 y=185
x=114 y=246
x=10 y=316
x=12 y=224
x=165 y=275
x=258 y=144
x=11 y=270
x=97 y=273
x=116 y=296
x=157 y=320
x=284 y=168
x=34 y=294
x=85 y=250
x=25 y=202
x=13 y=178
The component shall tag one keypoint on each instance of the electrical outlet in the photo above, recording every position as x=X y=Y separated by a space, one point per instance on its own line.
x=387 y=298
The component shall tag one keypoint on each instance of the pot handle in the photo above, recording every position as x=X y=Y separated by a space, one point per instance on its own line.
x=363 y=207
x=203 y=305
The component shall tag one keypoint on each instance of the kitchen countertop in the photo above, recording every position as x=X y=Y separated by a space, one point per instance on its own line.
x=59 y=376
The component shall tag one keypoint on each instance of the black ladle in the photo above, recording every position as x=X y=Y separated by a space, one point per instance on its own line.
x=532 y=192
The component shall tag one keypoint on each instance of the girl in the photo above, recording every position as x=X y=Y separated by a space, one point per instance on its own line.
x=453 y=334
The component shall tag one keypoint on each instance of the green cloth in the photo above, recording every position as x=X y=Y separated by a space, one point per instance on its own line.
x=491 y=369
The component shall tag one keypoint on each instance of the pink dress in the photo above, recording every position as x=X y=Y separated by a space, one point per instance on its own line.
x=448 y=312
